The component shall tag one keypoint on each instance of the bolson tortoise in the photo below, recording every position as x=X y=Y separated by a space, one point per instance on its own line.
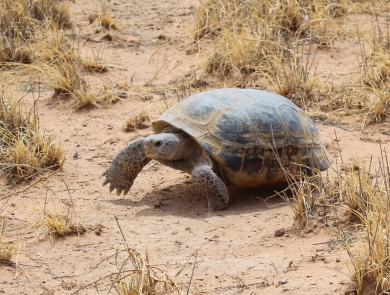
x=226 y=138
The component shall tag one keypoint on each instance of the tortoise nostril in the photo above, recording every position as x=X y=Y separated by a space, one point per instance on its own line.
x=158 y=143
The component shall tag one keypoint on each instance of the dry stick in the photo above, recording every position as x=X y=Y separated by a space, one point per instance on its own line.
x=277 y=272
x=365 y=213
x=338 y=147
x=193 y=254
x=29 y=186
x=192 y=274
x=117 y=221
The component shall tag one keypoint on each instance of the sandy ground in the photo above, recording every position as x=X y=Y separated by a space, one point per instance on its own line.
x=236 y=250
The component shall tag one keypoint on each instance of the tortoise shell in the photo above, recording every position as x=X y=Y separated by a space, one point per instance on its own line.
x=249 y=134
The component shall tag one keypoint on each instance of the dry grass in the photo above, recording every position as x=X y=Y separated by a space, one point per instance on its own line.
x=295 y=18
x=138 y=121
x=32 y=33
x=103 y=19
x=25 y=150
x=142 y=277
x=364 y=191
x=249 y=34
x=21 y=22
x=136 y=275
x=59 y=225
x=7 y=250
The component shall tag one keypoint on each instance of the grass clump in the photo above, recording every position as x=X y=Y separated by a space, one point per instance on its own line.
x=32 y=33
x=137 y=121
x=103 y=19
x=21 y=24
x=7 y=250
x=25 y=150
x=59 y=225
x=367 y=195
x=363 y=192
x=295 y=18
x=142 y=278
x=272 y=40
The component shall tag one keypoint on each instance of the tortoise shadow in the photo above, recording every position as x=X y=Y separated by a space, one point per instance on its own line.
x=186 y=200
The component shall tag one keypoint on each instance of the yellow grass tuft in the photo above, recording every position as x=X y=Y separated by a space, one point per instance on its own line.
x=59 y=225
x=137 y=121
x=24 y=149
x=103 y=18
x=7 y=250
x=21 y=22
x=142 y=277
x=367 y=194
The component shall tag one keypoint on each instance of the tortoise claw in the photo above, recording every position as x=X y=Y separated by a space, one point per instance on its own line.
x=106 y=181
x=112 y=186
x=125 y=191
x=119 y=191
x=105 y=173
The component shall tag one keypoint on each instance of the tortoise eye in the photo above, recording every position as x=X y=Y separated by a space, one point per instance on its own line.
x=158 y=143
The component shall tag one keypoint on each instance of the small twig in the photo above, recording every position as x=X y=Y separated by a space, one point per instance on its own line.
x=22 y=190
x=193 y=254
x=329 y=242
x=338 y=146
x=117 y=221
x=153 y=164
x=277 y=272
x=192 y=274
x=14 y=263
x=89 y=244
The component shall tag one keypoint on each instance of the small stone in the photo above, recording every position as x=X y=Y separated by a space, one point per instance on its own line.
x=279 y=232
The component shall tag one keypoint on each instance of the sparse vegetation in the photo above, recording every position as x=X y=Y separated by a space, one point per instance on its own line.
x=261 y=44
x=7 y=250
x=141 y=277
x=25 y=150
x=137 y=121
x=364 y=192
x=103 y=19
x=367 y=195
x=59 y=225
x=274 y=44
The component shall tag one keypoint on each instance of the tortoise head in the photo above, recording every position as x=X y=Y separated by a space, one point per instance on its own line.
x=163 y=146
x=125 y=167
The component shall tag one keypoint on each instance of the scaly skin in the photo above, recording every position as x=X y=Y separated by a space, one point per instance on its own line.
x=125 y=167
x=213 y=186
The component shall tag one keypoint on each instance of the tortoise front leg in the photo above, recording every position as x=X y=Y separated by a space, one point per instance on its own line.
x=213 y=186
x=125 y=167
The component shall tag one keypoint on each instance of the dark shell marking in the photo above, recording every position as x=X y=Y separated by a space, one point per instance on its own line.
x=238 y=127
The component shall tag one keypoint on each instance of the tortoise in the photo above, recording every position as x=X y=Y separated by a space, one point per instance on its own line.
x=226 y=138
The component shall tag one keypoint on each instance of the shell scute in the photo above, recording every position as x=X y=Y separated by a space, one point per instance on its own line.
x=232 y=126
